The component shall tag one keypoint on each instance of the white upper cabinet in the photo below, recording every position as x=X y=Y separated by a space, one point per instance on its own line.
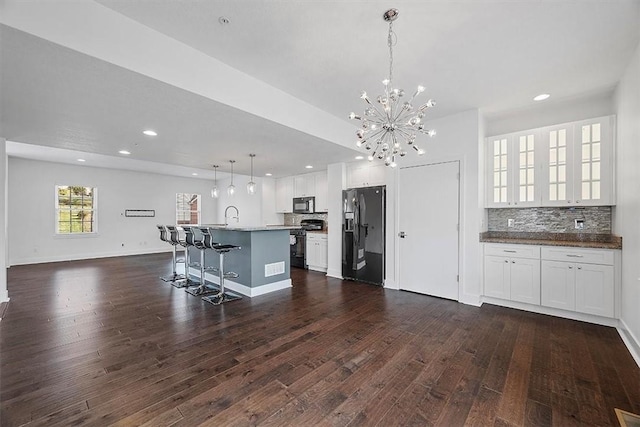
x=578 y=163
x=304 y=185
x=561 y=165
x=284 y=195
x=322 y=192
x=365 y=174
x=513 y=170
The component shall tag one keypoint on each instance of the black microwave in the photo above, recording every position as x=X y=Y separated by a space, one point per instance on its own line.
x=303 y=205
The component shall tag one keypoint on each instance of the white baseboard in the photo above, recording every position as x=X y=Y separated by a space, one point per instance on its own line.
x=336 y=274
x=630 y=340
x=474 y=300
x=79 y=257
x=243 y=289
x=589 y=318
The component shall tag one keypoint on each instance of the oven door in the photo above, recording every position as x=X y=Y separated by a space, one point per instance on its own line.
x=297 y=244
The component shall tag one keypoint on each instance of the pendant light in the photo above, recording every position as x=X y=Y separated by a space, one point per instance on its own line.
x=231 y=189
x=214 y=190
x=251 y=186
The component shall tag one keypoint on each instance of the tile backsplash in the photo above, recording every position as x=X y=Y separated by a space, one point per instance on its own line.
x=552 y=220
x=294 y=219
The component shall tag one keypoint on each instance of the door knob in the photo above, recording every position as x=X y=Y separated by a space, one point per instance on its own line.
x=402 y=234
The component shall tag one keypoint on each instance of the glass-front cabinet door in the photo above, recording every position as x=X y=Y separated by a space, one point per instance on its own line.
x=577 y=163
x=500 y=171
x=526 y=185
x=557 y=170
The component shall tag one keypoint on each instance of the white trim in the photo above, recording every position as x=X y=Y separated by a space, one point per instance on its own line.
x=4 y=296
x=334 y=273
x=42 y=260
x=243 y=289
x=573 y=315
x=630 y=340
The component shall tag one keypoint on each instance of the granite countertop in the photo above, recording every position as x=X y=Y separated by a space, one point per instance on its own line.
x=253 y=228
x=579 y=240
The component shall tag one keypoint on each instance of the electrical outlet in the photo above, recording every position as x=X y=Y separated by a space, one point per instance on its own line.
x=510 y=222
x=579 y=224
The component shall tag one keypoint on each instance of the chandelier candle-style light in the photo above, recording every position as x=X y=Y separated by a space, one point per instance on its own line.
x=390 y=126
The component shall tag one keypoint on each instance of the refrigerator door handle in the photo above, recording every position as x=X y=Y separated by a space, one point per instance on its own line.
x=402 y=234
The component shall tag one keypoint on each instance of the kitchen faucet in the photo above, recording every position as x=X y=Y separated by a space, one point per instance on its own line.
x=237 y=217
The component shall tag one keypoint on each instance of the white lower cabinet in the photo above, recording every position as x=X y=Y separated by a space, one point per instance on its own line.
x=317 y=252
x=511 y=277
x=580 y=287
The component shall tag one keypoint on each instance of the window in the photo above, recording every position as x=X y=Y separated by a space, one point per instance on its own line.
x=187 y=208
x=76 y=209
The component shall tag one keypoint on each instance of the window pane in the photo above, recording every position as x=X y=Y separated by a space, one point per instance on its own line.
x=562 y=155
x=523 y=143
x=562 y=137
x=496 y=146
x=586 y=137
x=523 y=159
x=586 y=191
x=586 y=172
x=553 y=159
x=562 y=192
x=523 y=193
x=496 y=195
x=553 y=194
x=595 y=151
x=496 y=163
x=595 y=132
x=530 y=158
x=503 y=178
x=530 y=173
x=503 y=146
x=530 y=142
x=552 y=174
x=595 y=190
x=586 y=152
x=530 y=193
x=553 y=138
x=523 y=175
x=503 y=162
x=562 y=173
x=503 y=194
x=595 y=170
x=496 y=179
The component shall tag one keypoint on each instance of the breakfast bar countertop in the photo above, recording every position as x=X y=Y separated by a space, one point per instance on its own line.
x=580 y=240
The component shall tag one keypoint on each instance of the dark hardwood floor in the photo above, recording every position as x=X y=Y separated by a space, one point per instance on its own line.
x=104 y=341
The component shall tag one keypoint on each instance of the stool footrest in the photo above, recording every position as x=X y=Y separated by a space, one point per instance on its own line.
x=214 y=269
x=231 y=275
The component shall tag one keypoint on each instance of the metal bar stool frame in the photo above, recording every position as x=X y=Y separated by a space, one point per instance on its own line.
x=189 y=240
x=174 y=240
x=223 y=296
x=206 y=242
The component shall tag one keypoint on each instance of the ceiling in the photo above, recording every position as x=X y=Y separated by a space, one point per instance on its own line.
x=486 y=55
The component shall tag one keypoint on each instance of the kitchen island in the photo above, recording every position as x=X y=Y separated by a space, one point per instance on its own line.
x=262 y=263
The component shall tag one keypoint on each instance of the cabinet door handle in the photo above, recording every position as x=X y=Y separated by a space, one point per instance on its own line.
x=507 y=250
x=575 y=256
x=513 y=262
x=507 y=261
x=579 y=268
x=570 y=267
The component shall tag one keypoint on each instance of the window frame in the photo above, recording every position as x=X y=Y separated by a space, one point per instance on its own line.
x=189 y=213
x=93 y=209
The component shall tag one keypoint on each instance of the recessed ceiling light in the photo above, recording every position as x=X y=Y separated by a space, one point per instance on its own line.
x=309 y=167
x=359 y=157
x=541 y=97
x=195 y=174
x=81 y=160
x=124 y=152
x=268 y=174
x=150 y=132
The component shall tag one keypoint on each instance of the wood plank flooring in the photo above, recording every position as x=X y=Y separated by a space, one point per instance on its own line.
x=106 y=342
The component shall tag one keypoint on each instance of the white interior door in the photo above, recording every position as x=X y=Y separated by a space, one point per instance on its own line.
x=428 y=218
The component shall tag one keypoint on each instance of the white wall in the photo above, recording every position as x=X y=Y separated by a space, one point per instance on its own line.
x=336 y=177
x=457 y=138
x=4 y=296
x=258 y=209
x=627 y=210
x=551 y=112
x=31 y=211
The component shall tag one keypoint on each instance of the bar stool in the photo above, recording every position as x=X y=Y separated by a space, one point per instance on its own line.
x=204 y=243
x=222 y=295
x=174 y=240
x=189 y=241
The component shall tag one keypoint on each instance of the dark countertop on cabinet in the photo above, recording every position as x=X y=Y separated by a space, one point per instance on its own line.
x=580 y=240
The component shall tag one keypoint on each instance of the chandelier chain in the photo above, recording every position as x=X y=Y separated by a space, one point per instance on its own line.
x=390 y=43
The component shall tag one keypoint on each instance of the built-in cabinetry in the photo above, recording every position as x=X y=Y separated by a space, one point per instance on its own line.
x=307 y=185
x=317 y=251
x=562 y=165
x=569 y=279
x=512 y=272
x=365 y=174
x=579 y=280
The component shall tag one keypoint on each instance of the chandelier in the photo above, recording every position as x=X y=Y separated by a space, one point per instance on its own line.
x=389 y=127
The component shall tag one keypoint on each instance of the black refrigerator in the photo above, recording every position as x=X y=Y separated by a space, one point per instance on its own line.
x=363 y=234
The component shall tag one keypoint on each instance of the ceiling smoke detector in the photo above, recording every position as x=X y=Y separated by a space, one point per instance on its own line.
x=223 y=20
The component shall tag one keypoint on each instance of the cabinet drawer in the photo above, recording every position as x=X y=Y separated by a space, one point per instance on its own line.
x=512 y=251
x=317 y=236
x=588 y=256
